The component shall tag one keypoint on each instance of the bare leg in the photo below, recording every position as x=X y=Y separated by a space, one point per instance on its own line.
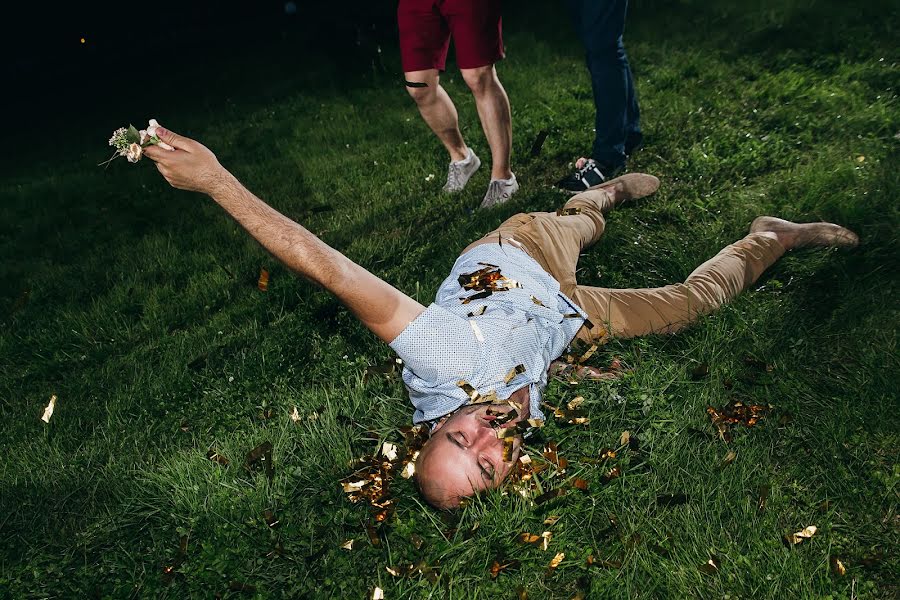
x=438 y=111
x=494 y=112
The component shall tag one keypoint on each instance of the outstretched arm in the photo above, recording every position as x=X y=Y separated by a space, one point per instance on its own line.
x=384 y=309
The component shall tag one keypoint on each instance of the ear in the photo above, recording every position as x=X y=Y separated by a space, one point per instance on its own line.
x=439 y=424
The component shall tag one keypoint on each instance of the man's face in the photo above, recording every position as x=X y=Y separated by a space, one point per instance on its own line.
x=464 y=455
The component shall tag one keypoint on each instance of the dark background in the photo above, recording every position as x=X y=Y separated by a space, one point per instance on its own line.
x=132 y=49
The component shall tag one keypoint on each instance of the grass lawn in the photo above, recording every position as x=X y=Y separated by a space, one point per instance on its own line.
x=137 y=306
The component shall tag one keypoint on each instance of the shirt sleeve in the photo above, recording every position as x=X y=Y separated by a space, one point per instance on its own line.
x=438 y=346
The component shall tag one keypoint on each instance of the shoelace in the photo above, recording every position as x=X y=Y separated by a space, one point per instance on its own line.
x=454 y=175
x=495 y=190
x=588 y=166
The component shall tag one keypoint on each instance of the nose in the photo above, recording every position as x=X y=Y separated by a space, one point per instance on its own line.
x=485 y=437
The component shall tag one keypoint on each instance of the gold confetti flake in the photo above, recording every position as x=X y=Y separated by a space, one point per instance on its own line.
x=545 y=539
x=349 y=544
x=837 y=567
x=575 y=402
x=485 y=281
x=389 y=451
x=625 y=438
x=468 y=389
x=507 y=450
x=729 y=458
x=551 y=453
x=572 y=417
x=613 y=473
x=711 y=567
x=217 y=458
x=354 y=486
x=478 y=296
x=538 y=302
x=733 y=413
x=502 y=418
x=261 y=457
x=499 y=566
x=489 y=398
x=588 y=354
x=550 y=495
x=478 y=311
x=295 y=415
x=409 y=468
x=568 y=212
x=170 y=571
x=605 y=564
x=377 y=593
x=552 y=520
x=556 y=560
x=798 y=537
x=374 y=538
x=529 y=538
x=263 y=281
x=517 y=370
x=48 y=410
x=607 y=453
x=505 y=434
x=392 y=571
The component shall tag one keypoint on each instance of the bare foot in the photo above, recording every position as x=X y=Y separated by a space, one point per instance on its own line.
x=802 y=235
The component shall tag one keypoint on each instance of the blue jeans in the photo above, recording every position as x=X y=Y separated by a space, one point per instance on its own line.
x=600 y=25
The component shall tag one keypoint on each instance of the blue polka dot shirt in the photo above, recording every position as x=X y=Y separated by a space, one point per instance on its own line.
x=482 y=341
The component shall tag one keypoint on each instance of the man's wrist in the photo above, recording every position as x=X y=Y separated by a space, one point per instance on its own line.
x=220 y=183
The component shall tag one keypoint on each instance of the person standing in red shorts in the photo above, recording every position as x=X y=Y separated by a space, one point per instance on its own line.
x=426 y=27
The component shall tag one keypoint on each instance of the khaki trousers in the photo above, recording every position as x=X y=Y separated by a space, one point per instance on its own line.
x=555 y=242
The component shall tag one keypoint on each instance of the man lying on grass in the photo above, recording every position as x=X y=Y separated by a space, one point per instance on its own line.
x=509 y=308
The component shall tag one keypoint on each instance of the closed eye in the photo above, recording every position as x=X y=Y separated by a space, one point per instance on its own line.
x=487 y=471
x=459 y=439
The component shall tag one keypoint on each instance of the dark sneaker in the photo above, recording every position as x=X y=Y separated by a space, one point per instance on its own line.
x=588 y=177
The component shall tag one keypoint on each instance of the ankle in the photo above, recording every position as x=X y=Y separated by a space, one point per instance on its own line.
x=501 y=174
x=459 y=155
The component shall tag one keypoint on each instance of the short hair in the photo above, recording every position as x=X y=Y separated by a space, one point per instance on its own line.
x=431 y=490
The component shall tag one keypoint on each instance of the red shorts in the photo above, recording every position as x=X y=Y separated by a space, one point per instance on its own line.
x=426 y=27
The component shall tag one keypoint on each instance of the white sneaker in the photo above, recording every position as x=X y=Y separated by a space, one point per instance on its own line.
x=459 y=172
x=499 y=191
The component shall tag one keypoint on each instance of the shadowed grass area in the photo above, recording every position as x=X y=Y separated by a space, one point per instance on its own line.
x=137 y=306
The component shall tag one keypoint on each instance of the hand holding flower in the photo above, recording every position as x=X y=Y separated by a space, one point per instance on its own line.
x=130 y=142
x=189 y=165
